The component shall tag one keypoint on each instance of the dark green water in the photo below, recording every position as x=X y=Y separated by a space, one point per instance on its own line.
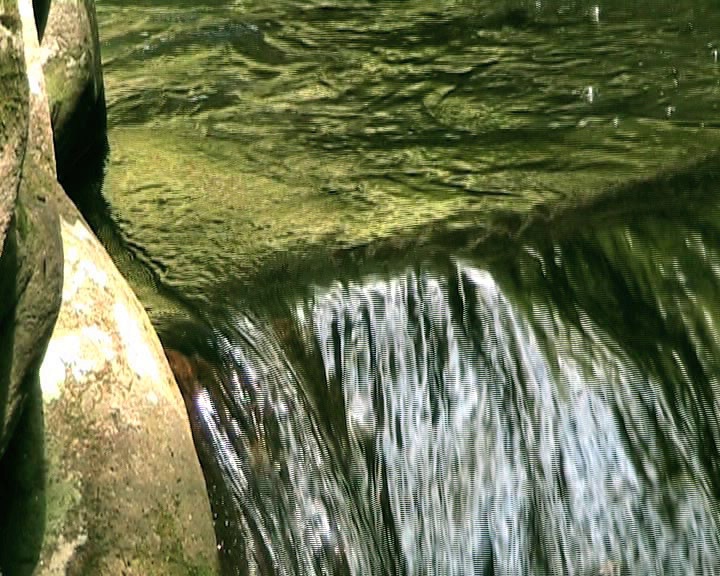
x=245 y=129
x=543 y=402
x=454 y=265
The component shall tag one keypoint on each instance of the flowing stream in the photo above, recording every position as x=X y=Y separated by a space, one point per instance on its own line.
x=440 y=279
x=543 y=403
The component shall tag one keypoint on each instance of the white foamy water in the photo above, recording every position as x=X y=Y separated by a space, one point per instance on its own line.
x=505 y=437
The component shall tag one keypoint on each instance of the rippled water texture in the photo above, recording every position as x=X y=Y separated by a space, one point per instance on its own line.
x=541 y=404
x=451 y=272
x=247 y=128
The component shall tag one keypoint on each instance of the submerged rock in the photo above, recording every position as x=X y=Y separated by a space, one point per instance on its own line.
x=197 y=381
x=277 y=505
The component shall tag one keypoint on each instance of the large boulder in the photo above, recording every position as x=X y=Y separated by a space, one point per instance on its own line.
x=125 y=491
x=31 y=260
x=100 y=476
x=30 y=289
x=74 y=81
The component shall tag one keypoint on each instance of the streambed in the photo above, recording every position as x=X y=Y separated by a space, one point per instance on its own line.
x=452 y=267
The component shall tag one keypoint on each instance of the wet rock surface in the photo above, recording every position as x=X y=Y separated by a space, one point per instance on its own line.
x=74 y=81
x=125 y=493
x=100 y=475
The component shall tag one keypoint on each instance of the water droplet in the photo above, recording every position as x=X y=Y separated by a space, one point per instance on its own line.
x=589 y=93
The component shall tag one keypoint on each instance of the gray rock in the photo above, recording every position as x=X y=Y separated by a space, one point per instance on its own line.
x=74 y=81
x=31 y=261
x=13 y=114
x=30 y=289
x=125 y=490
x=30 y=285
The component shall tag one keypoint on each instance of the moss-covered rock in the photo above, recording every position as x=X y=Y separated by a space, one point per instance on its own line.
x=30 y=288
x=13 y=140
x=125 y=491
x=74 y=81
x=30 y=284
x=13 y=113
x=31 y=261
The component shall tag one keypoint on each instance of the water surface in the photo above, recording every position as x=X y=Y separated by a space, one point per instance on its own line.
x=242 y=129
x=542 y=402
x=444 y=273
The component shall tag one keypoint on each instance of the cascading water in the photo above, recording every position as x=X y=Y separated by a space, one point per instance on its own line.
x=494 y=366
x=550 y=407
x=504 y=452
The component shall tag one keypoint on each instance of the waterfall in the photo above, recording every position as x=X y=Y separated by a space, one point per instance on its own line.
x=512 y=443
x=547 y=408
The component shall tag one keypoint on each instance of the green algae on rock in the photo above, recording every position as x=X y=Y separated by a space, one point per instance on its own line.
x=74 y=81
x=130 y=495
x=101 y=476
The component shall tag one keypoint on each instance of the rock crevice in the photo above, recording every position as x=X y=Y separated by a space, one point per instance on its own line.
x=98 y=473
